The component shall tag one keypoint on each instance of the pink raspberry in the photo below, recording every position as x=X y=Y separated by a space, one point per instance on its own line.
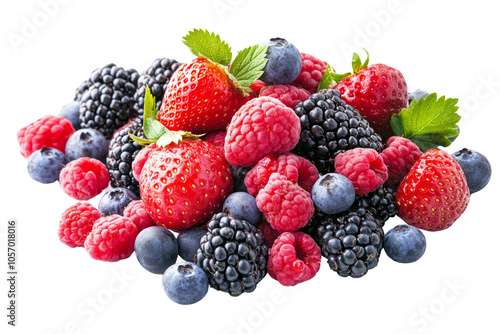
x=296 y=169
x=288 y=94
x=216 y=138
x=84 y=178
x=49 y=131
x=285 y=205
x=269 y=233
x=262 y=126
x=140 y=160
x=399 y=156
x=294 y=258
x=112 y=239
x=136 y=211
x=76 y=223
x=311 y=74
x=364 y=167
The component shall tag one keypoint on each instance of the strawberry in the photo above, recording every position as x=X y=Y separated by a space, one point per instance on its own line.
x=434 y=194
x=185 y=183
x=204 y=94
x=377 y=91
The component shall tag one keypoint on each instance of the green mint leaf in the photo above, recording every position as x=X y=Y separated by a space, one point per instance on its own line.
x=428 y=122
x=209 y=45
x=152 y=128
x=248 y=65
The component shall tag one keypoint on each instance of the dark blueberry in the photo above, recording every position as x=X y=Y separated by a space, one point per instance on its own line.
x=189 y=242
x=156 y=249
x=476 y=167
x=87 y=143
x=416 y=95
x=284 y=62
x=404 y=243
x=242 y=205
x=115 y=200
x=185 y=283
x=239 y=174
x=71 y=111
x=45 y=164
x=333 y=193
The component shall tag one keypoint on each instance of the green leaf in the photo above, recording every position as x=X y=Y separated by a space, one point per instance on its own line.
x=248 y=65
x=327 y=78
x=141 y=141
x=357 y=66
x=209 y=45
x=152 y=128
x=175 y=137
x=428 y=122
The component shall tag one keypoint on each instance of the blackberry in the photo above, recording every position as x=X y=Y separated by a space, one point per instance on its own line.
x=380 y=203
x=107 y=104
x=81 y=89
x=156 y=77
x=351 y=242
x=122 y=152
x=233 y=253
x=329 y=127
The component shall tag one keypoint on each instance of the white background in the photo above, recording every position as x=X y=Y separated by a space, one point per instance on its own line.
x=448 y=47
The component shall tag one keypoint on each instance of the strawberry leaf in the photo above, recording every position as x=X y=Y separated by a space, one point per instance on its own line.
x=327 y=78
x=175 y=137
x=428 y=122
x=152 y=128
x=208 y=45
x=141 y=141
x=248 y=65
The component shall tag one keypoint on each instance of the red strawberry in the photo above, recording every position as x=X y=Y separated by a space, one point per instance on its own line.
x=204 y=94
x=378 y=91
x=200 y=98
x=434 y=193
x=184 y=184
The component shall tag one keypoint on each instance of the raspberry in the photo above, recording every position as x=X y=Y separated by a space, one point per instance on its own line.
x=294 y=258
x=288 y=94
x=49 y=131
x=269 y=233
x=84 y=178
x=364 y=167
x=112 y=239
x=399 y=156
x=284 y=204
x=140 y=160
x=76 y=223
x=136 y=211
x=311 y=74
x=262 y=126
x=296 y=169
x=216 y=138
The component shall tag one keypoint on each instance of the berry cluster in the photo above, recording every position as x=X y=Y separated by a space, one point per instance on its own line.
x=261 y=164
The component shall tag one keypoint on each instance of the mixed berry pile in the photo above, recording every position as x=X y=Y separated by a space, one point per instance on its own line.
x=259 y=164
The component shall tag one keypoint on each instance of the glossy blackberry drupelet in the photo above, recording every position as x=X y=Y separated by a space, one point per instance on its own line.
x=122 y=152
x=156 y=77
x=108 y=102
x=329 y=127
x=380 y=203
x=84 y=86
x=234 y=255
x=351 y=242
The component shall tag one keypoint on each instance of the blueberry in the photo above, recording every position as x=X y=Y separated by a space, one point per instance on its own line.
x=284 y=62
x=189 y=242
x=87 y=143
x=71 y=111
x=239 y=174
x=185 y=283
x=156 y=249
x=115 y=200
x=241 y=205
x=333 y=193
x=476 y=167
x=404 y=243
x=45 y=164
x=416 y=95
